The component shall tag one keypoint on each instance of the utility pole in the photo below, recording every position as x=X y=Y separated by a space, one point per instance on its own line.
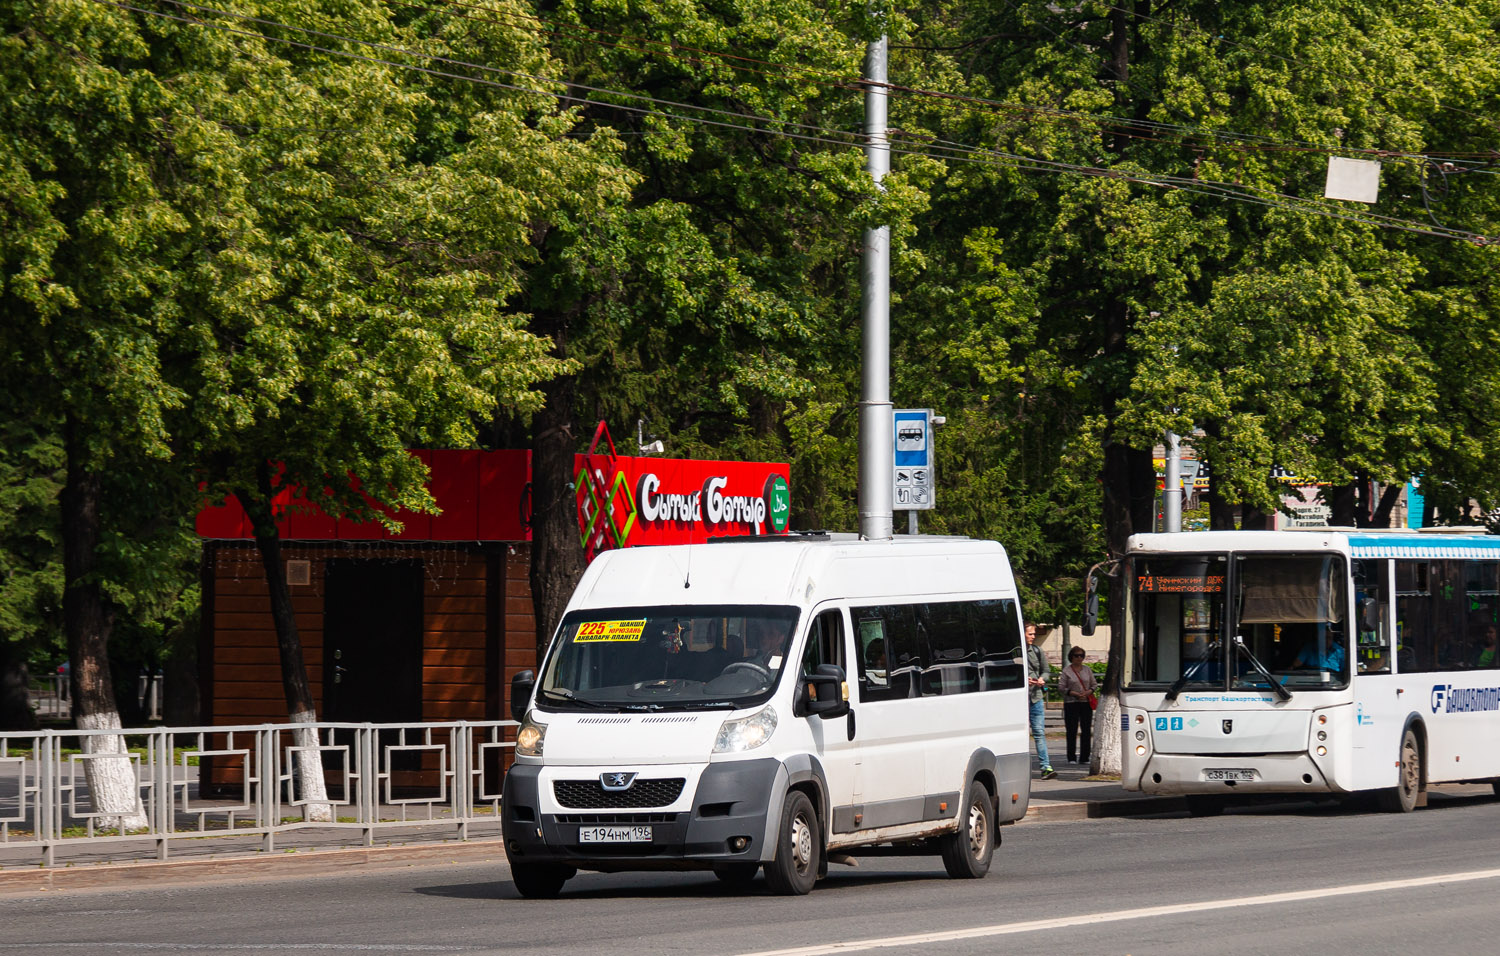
x=1171 y=491
x=877 y=438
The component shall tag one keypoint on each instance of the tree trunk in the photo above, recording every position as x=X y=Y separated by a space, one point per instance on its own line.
x=1343 y=502
x=1129 y=508
x=556 y=550
x=1253 y=519
x=88 y=617
x=15 y=696
x=299 y=700
x=1220 y=512
x=1381 y=518
x=1106 y=757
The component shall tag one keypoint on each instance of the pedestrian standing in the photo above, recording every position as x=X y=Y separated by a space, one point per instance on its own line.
x=1037 y=671
x=1078 y=688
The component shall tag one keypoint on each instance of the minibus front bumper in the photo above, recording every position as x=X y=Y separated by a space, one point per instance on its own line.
x=725 y=822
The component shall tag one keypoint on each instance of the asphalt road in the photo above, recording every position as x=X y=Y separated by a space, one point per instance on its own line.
x=1284 y=880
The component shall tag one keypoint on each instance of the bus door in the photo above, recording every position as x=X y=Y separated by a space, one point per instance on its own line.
x=1381 y=703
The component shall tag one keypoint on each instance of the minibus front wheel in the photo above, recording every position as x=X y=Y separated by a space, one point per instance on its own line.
x=799 y=848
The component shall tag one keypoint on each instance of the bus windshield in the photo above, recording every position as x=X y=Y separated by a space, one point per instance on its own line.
x=1192 y=619
x=674 y=657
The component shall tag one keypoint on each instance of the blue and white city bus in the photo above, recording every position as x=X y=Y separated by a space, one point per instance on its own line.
x=1313 y=662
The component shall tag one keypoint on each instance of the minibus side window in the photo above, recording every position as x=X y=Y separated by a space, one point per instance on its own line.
x=954 y=667
x=889 y=632
x=937 y=649
x=825 y=642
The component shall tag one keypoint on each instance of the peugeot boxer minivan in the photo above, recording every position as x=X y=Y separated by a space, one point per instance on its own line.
x=775 y=703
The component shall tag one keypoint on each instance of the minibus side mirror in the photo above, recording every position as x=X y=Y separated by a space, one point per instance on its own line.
x=520 y=693
x=824 y=693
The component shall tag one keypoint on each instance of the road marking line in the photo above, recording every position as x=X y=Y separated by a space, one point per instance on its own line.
x=1114 y=916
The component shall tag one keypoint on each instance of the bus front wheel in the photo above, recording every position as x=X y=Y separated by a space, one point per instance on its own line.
x=1402 y=798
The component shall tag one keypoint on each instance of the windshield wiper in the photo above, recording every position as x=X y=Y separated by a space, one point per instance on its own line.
x=708 y=705
x=573 y=698
x=1191 y=671
x=1276 y=685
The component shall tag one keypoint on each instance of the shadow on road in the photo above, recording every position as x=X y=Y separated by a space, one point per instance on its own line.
x=693 y=886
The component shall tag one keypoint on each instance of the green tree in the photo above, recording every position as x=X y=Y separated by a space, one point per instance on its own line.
x=719 y=305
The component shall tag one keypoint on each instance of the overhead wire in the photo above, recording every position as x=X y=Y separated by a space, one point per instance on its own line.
x=820 y=135
x=1114 y=125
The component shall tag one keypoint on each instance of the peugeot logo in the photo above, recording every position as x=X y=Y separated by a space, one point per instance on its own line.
x=1228 y=726
x=615 y=782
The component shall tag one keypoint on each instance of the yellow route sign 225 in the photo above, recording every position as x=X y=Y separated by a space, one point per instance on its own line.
x=592 y=631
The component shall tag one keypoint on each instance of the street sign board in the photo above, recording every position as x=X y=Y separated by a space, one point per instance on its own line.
x=915 y=485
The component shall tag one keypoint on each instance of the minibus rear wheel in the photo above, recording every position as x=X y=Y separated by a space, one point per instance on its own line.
x=968 y=850
x=799 y=848
x=540 y=880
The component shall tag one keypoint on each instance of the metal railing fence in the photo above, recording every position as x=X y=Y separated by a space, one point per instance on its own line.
x=380 y=778
x=49 y=695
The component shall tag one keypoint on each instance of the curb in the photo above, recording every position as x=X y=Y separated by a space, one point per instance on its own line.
x=1062 y=811
x=302 y=863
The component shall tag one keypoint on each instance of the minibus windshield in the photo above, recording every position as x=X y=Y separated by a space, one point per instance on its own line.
x=668 y=657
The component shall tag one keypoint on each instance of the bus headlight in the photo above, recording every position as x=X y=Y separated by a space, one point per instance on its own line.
x=1140 y=750
x=746 y=733
x=1140 y=735
x=530 y=738
x=1322 y=751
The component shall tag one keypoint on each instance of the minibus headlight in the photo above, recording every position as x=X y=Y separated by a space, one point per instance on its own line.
x=530 y=738
x=746 y=733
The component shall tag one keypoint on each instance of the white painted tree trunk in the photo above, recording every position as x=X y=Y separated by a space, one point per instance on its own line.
x=1105 y=760
x=310 y=782
x=112 y=780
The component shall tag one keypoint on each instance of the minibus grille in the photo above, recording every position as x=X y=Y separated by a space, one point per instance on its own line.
x=591 y=795
x=615 y=819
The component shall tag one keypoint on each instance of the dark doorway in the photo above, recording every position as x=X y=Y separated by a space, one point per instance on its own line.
x=372 y=645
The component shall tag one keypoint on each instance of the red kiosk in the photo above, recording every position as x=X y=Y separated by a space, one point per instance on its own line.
x=430 y=623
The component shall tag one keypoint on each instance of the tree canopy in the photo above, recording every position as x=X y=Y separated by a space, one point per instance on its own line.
x=317 y=234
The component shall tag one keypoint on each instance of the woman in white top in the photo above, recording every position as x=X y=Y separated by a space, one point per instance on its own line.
x=1078 y=684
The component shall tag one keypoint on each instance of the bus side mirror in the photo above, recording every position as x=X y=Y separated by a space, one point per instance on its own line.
x=824 y=693
x=1090 y=606
x=520 y=693
x=1369 y=614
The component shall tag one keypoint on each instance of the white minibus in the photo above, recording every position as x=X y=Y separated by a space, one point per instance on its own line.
x=777 y=703
x=1310 y=662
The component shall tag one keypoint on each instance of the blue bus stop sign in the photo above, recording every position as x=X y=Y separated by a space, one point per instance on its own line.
x=915 y=484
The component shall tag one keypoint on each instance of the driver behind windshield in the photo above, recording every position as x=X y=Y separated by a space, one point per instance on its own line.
x=765 y=642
